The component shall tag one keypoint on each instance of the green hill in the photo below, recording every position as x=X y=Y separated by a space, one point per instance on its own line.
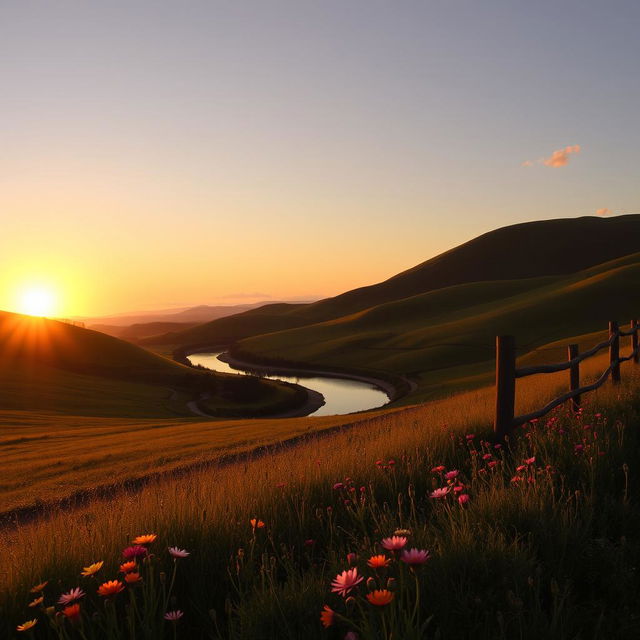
x=449 y=334
x=518 y=252
x=53 y=366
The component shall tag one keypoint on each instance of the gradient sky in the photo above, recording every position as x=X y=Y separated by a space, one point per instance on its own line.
x=159 y=153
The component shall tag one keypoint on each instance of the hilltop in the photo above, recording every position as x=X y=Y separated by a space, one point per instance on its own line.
x=517 y=252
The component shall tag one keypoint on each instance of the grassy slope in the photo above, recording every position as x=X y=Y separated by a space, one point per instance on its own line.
x=449 y=334
x=527 y=560
x=512 y=252
x=51 y=366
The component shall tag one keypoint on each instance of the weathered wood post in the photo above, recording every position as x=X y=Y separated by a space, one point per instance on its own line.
x=505 y=385
x=634 y=341
x=574 y=374
x=614 y=352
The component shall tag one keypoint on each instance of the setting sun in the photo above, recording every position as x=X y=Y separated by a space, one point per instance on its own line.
x=38 y=301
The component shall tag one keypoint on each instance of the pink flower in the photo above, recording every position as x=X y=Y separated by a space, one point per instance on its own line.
x=394 y=543
x=178 y=553
x=579 y=448
x=414 y=557
x=438 y=469
x=521 y=467
x=338 y=485
x=530 y=460
x=463 y=498
x=136 y=551
x=451 y=475
x=173 y=616
x=492 y=464
x=487 y=456
x=351 y=635
x=470 y=436
x=351 y=558
x=346 y=581
x=439 y=493
x=71 y=596
x=497 y=446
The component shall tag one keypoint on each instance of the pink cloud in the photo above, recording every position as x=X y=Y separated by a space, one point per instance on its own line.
x=603 y=212
x=560 y=157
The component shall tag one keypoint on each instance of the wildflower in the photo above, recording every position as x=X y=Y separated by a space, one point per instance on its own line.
x=394 y=543
x=351 y=558
x=438 y=469
x=145 y=539
x=414 y=557
x=521 y=467
x=497 y=446
x=36 y=602
x=39 y=587
x=487 y=456
x=110 y=588
x=346 y=581
x=470 y=436
x=71 y=596
x=378 y=562
x=178 y=553
x=173 y=616
x=125 y=567
x=72 y=612
x=579 y=448
x=530 y=460
x=256 y=524
x=451 y=475
x=463 y=498
x=439 y=493
x=458 y=488
x=351 y=635
x=327 y=616
x=309 y=543
x=391 y=462
x=380 y=597
x=338 y=485
x=25 y=626
x=136 y=551
x=133 y=578
x=492 y=464
x=92 y=569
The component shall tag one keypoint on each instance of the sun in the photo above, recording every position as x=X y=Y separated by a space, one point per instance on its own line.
x=38 y=301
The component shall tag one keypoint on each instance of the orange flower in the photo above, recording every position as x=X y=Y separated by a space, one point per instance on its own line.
x=147 y=538
x=39 y=587
x=256 y=524
x=92 y=569
x=111 y=588
x=380 y=597
x=327 y=616
x=72 y=612
x=25 y=626
x=128 y=566
x=132 y=578
x=378 y=562
x=36 y=602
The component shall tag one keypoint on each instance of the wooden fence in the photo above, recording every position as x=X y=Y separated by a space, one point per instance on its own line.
x=507 y=373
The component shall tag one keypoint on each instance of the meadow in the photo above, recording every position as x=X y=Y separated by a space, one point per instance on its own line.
x=544 y=545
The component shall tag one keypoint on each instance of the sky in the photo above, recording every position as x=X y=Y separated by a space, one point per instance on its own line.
x=157 y=154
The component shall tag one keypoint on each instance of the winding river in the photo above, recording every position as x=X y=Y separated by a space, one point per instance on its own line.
x=340 y=394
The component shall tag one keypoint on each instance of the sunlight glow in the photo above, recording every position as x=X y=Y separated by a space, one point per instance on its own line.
x=38 y=301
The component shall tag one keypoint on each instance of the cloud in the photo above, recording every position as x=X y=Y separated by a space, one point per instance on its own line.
x=603 y=212
x=560 y=157
x=527 y=163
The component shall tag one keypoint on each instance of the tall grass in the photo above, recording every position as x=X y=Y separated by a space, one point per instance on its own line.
x=543 y=549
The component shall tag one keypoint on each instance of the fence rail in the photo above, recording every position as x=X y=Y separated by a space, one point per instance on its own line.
x=507 y=373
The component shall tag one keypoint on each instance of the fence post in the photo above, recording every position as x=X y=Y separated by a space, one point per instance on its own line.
x=614 y=352
x=505 y=385
x=574 y=374
x=634 y=341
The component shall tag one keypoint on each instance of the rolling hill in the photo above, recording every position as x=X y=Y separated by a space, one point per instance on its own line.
x=518 y=252
x=50 y=365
